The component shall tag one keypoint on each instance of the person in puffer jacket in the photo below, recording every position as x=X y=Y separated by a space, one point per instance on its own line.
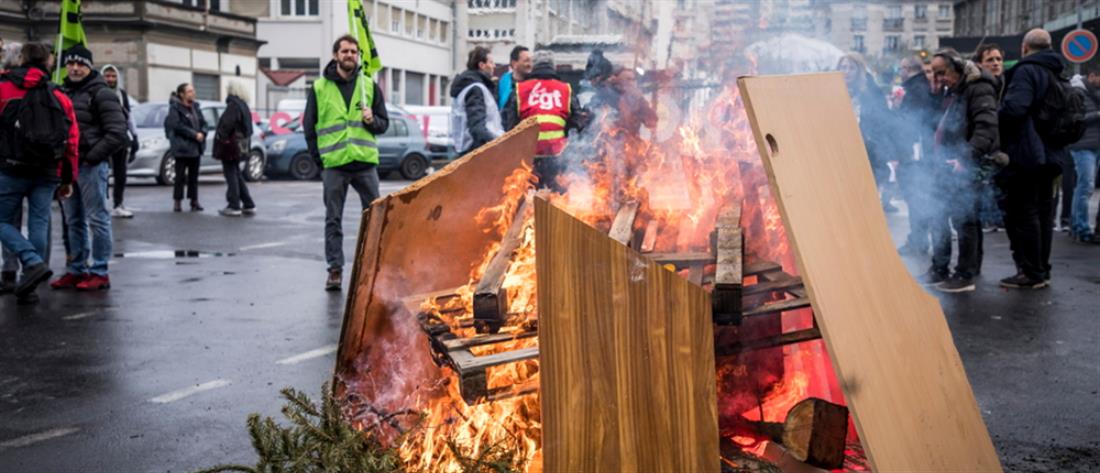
x=102 y=134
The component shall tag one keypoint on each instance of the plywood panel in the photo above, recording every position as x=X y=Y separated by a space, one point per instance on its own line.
x=888 y=339
x=425 y=237
x=626 y=356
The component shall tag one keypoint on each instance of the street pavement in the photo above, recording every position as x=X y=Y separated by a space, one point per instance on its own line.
x=209 y=317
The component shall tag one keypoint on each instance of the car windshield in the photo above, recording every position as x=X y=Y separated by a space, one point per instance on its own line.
x=150 y=115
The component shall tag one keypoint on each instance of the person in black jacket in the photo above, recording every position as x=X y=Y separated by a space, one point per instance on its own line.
x=1026 y=183
x=966 y=135
x=1086 y=154
x=186 y=130
x=231 y=143
x=475 y=102
x=123 y=157
x=920 y=110
x=874 y=119
x=102 y=124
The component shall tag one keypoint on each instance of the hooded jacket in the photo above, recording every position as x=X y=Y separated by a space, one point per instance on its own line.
x=510 y=114
x=377 y=127
x=1091 y=139
x=474 y=103
x=182 y=125
x=1026 y=84
x=125 y=99
x=236 y=119
x=969 y=127
x=100 y=116
x=13 y=86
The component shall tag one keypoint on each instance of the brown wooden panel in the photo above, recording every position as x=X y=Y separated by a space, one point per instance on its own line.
x=425 y=238
x=626 y=356
x=888 y=339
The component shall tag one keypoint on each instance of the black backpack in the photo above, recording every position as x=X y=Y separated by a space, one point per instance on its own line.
x=35 y=130
x=1060 y=120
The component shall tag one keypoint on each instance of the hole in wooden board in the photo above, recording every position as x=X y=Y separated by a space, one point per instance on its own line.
x=772 y=145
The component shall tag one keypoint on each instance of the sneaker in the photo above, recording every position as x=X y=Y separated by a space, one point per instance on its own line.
x=32 y=276
x=29 y=299
x=94 y=282
x=956 y=284
x=1022 y=281
x=249 y=211
x=932 y=278
x=7 y=282
x=68 y=281
x=228 y=212
x=196 y=207
x=335 y=278
x=122 y=212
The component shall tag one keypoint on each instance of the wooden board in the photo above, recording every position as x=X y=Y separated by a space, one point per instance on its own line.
x=626 y=356
x=889 y=342
x=424 y=238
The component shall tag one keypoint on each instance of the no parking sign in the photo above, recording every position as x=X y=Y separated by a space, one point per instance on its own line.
x=1079 y=46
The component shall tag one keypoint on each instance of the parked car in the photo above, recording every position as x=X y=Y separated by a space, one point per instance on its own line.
x=436 y=123
x=154 y=160
x=401 y=149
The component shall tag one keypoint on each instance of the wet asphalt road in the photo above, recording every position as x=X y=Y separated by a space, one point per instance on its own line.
x=159 y=373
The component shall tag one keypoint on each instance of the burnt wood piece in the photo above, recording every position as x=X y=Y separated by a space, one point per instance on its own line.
x=682 y=260
x=785 y=284
x=486 y=339
x=778 y=306
x=649 y=240
x=726 y=297
x=788 y=338
x=814 y=433
x=490 y=297
x=622 y=229
x=472 y=370
x=762 y=268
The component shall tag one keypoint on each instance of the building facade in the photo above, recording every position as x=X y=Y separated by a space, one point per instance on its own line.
x=414 y=39
x=156 y=45
x=1013 y=17
x=885 y=29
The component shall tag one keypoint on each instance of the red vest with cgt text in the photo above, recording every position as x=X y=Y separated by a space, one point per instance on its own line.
x=548 y=101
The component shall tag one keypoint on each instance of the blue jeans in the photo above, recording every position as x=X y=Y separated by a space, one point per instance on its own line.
x=38 y=192
x=1085 y=161
x=87 y=209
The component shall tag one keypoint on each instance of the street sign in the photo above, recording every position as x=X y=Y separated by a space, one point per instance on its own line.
x=1079 y=46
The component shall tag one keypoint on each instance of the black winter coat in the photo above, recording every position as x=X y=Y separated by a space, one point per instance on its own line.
x=1026 y=84
x=100 y=116
x=235 y=123
x=970 y=124
x=1091 y=139
x=476 y=114
x=181 y=126
x=919 y=114
x=509 y=116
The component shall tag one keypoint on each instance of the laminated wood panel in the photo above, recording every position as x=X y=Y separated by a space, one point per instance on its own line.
x=626 y=356
x=425 y=237
x=888 y=339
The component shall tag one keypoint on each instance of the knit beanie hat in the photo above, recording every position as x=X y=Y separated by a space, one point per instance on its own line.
x=544 y=57
x=79 y=54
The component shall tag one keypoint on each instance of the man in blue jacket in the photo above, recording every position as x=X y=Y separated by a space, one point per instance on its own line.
x=1028 y=181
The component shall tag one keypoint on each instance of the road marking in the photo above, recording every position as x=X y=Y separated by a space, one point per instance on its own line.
x=39 y=437
x=309 y=355
x=79 y=316
x=263 y=245
x=182 y=393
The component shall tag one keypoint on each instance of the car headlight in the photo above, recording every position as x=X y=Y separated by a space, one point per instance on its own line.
x=154 y=143
x=278 y=146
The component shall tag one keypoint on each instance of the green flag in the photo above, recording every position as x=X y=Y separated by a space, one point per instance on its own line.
x=70 y=33
x=360 y=28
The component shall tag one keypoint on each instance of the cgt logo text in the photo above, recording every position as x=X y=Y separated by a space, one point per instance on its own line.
x=543 y=99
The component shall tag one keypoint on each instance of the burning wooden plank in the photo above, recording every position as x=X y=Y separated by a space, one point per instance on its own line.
x=600 y=307
x=622 y=229
x=726 y=295
x=490 y=297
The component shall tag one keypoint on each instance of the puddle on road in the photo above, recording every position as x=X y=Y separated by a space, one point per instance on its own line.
x=173 y=254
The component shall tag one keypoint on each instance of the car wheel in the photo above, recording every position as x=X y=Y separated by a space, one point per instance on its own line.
x=303 y=167
x=414 y=167
x=167 y=174
x=254 y=167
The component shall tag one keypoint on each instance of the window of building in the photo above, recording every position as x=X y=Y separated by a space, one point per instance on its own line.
x=920 y=12
x=395 y=20
x=857 y=43
x=207 y=86
x=859 y=24
x=945 y=11
x=892 y=43
x=421 y=27
x=918 y=42
x=299 y=7
x=303 y=63
x=265 y=62
x=410 y=23
x=894 y=11
x=383 y=19
x=414 y=88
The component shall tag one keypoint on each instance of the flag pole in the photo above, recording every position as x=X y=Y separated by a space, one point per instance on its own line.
x=354 y=17
x=57 y=56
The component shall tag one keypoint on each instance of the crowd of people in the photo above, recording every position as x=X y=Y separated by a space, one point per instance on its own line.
x=65 y=141
x=981 y=146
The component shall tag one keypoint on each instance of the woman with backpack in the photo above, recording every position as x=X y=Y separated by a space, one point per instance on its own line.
x=231 y=144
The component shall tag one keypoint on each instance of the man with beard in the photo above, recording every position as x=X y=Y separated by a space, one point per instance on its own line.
x=102 y=134
x=344 y=113
x=966 y=135
x=121 y=158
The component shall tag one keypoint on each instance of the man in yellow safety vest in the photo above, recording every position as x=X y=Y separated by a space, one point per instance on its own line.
x=344 y=112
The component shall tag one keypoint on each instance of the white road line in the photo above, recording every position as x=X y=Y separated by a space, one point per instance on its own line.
x=182 y=393
x=263 y=245
x=39 y=437
x=79 y=316
x=309 y=355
